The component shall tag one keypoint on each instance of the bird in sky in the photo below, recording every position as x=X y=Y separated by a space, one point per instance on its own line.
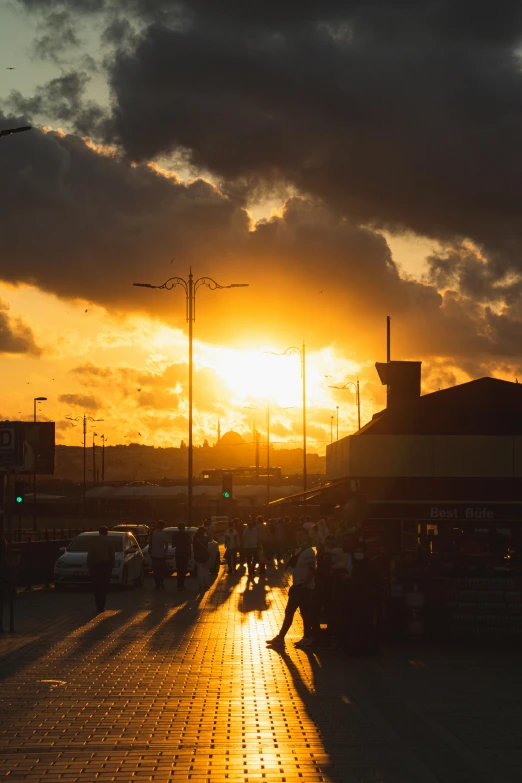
x=139 y=433
x=86 y=311
x=138 y=389
x=10 y=68
x=322 y=292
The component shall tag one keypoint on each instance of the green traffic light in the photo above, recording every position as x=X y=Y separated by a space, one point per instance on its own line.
x=226 y=494
x=19 y=499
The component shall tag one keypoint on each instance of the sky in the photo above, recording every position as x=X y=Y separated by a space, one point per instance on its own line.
x=348 y=160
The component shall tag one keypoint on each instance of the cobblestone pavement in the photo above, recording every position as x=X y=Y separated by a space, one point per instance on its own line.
x=169 y=687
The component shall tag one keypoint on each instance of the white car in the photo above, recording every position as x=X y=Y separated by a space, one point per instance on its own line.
x=170 y=560
x=71 y=566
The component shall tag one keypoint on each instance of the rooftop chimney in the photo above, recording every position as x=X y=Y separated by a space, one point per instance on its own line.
x=403 y=380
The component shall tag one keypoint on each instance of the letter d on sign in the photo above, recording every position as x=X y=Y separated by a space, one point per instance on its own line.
x=6 y=439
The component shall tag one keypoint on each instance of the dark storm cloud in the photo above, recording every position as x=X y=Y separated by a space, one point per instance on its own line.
x=57 y=36
x=401 y=115
x=81 y=223
x=84 y=401
x=62 y=100
x=15 y=335
x=81 y=6
x=85 y=224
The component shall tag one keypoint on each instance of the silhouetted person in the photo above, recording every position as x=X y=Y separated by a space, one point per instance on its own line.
x=332 y=563
x=361 y=611
x=4 y=576
x=202 y=557
x=231 y=546
x=183 y=543
x=100 y=562
x=300 y=594
x=250 y=545
x=158 y=548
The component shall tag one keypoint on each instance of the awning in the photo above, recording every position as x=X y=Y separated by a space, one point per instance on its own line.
x=333 y=493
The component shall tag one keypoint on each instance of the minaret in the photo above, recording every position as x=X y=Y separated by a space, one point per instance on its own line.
x=219 y=432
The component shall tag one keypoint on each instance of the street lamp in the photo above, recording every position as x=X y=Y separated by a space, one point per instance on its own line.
x=10 y=131
x=94 y=435
x=190 y=286
x=355 y=387
x=103 y=440
x=35 y=400
x=256 y=436
x=85 y=419
x=302 y=353
x=337 y=410
x=331 y=428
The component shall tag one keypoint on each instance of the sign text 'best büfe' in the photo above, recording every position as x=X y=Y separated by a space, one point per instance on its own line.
x=463 y=512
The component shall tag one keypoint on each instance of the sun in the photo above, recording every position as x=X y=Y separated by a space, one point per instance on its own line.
x=260 y=377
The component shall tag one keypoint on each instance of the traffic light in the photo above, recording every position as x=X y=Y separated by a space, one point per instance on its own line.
x=19 y=492
x=227 y=486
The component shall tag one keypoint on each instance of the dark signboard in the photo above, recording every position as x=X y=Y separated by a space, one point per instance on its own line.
x=27 y=447
x=459 y=511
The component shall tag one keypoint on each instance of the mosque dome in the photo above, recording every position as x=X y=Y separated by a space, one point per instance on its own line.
x=231 y=438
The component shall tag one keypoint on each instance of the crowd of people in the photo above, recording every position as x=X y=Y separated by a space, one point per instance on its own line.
x=336 y=584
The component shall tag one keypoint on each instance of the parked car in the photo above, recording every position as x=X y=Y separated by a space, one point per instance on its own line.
x=220 y=524
x=171 y=553
x=140 y=532
x=71 y=566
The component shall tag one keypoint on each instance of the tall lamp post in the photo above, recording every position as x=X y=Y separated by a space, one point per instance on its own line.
x=302 y=353
x=355 y=387
x=85 y=419
x=103 y=439
x=35 y=400
x=191 y=287
x=94 y=435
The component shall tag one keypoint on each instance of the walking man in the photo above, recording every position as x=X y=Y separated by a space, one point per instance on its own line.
x=182 y=544
x=231 y=546
x=300 y=594
x=158 y=548
x=100 y=562
x=250 y=544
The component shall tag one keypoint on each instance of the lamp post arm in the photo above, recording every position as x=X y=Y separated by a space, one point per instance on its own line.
x=350 y=384
x=213 y=285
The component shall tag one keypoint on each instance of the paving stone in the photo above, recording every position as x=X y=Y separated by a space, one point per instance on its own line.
x=172 y=687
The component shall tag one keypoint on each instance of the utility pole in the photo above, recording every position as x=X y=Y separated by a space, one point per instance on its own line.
x=84 y=420
x=190 y=286
x=94 y=435
x=103 y=439
x=256 y=442
x=35 y=400
x=355 y=387
x=267 y=455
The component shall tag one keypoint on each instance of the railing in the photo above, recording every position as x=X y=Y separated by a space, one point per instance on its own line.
x=49 y=534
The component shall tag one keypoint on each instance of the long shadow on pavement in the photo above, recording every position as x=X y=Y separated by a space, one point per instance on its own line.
x=369 y=730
